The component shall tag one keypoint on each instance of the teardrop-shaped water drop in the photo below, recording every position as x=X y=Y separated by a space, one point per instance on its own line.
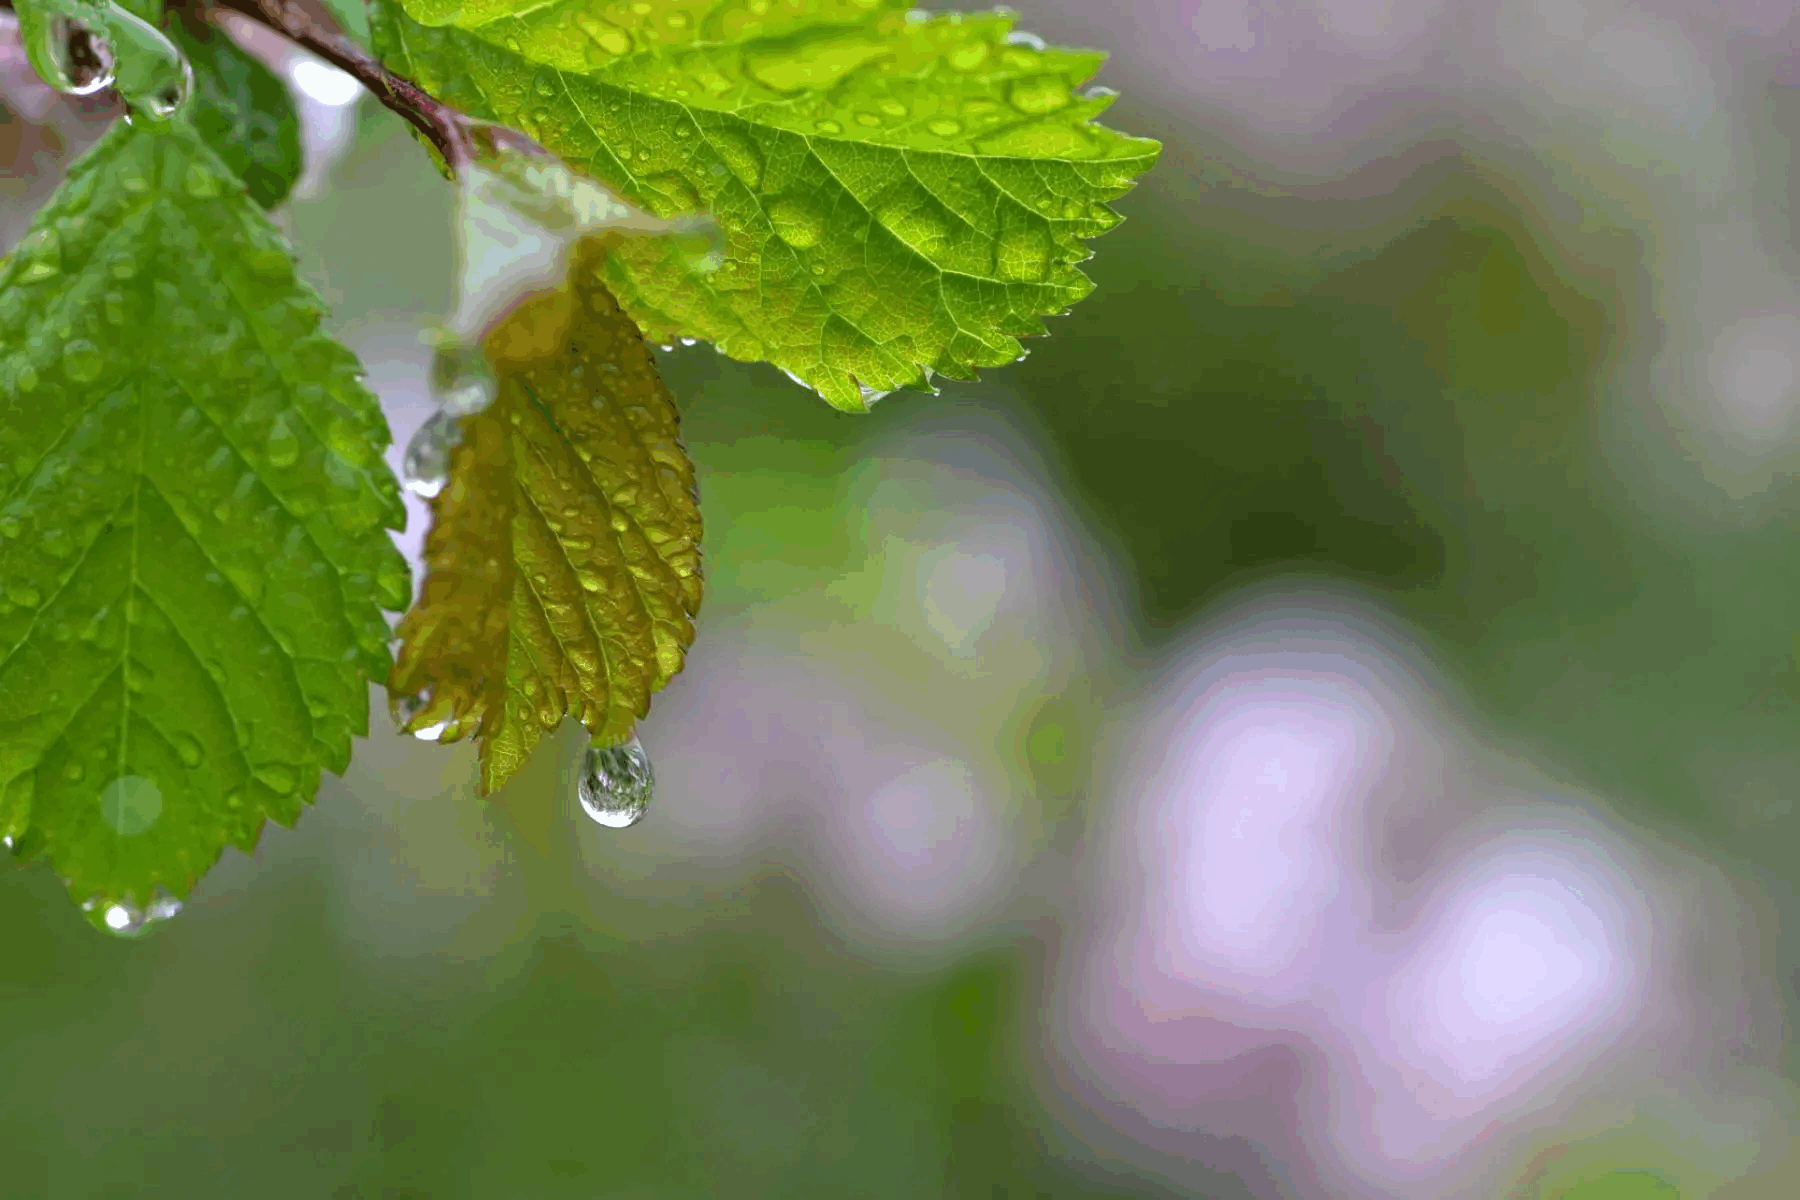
x=463 y=380
x=405 y=708
x=616 y=783
x=425 y=469
x=79 y=59
x=122 y=918
x=149 y=70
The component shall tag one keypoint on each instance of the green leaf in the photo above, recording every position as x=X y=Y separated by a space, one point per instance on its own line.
x=563 y=566
x=898 y=195
x=192 y=502
x=244 y=112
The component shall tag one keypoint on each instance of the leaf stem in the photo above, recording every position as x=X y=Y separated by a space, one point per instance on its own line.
x=312 y=27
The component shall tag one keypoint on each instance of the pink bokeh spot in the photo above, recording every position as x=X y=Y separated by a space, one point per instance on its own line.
x=1248 y=837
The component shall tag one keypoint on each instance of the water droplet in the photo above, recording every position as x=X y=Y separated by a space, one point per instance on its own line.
x=283 y=447
x=23 y=595
x=72 y=58
x=130 y=804
x=545 y=85
x=512 y=43
x=425 y=469
x=188 y=749
x=277 y=777
x=404 y=708
x=616 y=783
x=74 y=772
x=121 y=918
x=893 y=108
x=150 y=72
x=82 y=361
x=1030 y=41
x=968 y=57
x=797 y=221
x=828 y=126
x=608 y=37
x=1038 y=94
x=201 y=183
x=945 y=127
x=866 y=118
x=871 y=395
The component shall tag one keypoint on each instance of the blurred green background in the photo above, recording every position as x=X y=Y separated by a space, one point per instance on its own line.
x=1410 y=391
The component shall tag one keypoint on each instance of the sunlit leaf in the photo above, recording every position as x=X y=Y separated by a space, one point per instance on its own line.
x=900 y=194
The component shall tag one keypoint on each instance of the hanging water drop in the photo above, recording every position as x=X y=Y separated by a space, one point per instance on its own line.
x=425 y=469
x=151 y=73
x=72 y=58
x=405 y=708
x=616 y=783
x=121 y=918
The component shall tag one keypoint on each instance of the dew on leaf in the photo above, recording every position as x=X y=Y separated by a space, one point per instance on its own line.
x=188 y=750
x=828 y=126
x=616 y=784
x=282 y=447
x=72 y=58
x=277 y=777
x=425 y=468
x=1038 y=94
x=797 y=221
x=121 y=918
x=968 y=57
x=130 y=804
x=405 y=708
x=945 y=127
x=1030 y=41
x=150 y=72
x=610 y=38
x=82 y=361
x=200 y=183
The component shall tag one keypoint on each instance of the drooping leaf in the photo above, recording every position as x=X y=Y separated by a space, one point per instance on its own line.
x=192 y=503
x=564 y=555
x=899 y=193
x=243 y=110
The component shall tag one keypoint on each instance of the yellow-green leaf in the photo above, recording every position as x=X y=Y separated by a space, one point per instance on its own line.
x=564 y=556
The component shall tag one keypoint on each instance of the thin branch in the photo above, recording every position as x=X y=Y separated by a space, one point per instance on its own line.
x=311 y=27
